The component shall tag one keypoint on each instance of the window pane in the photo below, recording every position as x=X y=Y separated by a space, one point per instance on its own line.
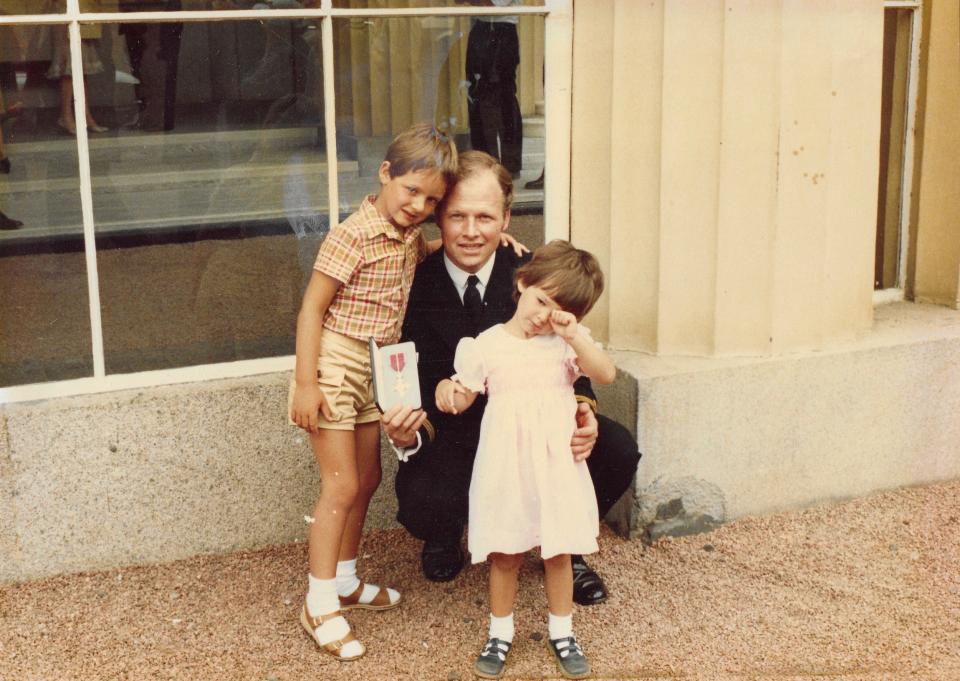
x=44 y=306
x=33 y=6
x=392 y=4
x=209 y=189
x=392 y=73
x=893 y=111
x=194 y=5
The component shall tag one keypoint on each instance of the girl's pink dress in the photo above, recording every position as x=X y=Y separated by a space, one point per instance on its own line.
x=526 y=489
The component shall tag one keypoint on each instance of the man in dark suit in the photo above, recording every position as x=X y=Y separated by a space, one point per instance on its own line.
x=457 y=292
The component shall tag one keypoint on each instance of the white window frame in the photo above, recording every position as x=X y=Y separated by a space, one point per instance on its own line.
x=896 y=293
x=558 y=53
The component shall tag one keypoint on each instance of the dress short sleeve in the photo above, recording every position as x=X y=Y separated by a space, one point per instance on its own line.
x=469 y=365
x=570 y=357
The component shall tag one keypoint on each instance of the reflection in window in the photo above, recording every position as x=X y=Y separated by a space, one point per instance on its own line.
x=391 y=73
x=897 y=34
x=33 y=6
x=176 y=5
x=209 y=190
x=44 y=307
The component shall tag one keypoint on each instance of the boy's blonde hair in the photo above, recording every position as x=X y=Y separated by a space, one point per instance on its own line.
x=569 y=275
x=423 y=147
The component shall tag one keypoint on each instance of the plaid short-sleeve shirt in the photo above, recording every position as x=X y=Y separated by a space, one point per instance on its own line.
x=375 y=262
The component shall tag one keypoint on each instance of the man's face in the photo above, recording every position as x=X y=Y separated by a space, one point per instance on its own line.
x=472 y=220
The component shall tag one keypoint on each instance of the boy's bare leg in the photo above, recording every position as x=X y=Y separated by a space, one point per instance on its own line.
x=367 y=446
x=336 y=456
x=504 y=572
x=558 y=579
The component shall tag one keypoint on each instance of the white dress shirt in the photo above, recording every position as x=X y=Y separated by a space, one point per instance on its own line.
x=459 y=278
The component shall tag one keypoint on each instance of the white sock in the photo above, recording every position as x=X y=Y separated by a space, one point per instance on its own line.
x=501 y=627
x=322 y=600
x=321 y=596
x=347 y=583
x=560 y=627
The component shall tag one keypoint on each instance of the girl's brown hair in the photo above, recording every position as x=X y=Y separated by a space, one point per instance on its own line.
x=569 y=275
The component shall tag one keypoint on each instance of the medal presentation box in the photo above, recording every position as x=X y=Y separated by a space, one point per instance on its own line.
x=395 y=379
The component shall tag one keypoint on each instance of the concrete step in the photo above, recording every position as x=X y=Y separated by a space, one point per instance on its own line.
x=189 y=181
x=534 y=126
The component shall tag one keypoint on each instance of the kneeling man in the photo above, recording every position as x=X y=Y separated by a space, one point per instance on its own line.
x=459 y=291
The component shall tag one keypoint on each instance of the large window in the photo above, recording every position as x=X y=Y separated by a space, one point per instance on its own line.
x=161 y=214
x=901 y=40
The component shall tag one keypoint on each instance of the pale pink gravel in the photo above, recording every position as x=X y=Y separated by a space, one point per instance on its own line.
x=868 y=589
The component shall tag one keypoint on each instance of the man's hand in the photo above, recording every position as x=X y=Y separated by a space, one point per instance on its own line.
x=585 y=436
x=401 y=425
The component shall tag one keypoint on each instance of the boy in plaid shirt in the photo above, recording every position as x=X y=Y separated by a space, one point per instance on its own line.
x=358 y=290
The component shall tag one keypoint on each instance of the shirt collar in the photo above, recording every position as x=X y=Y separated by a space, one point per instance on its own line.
x=460 y=277
x=376 y=223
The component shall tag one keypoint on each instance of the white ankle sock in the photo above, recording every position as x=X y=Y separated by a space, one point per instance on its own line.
x=560 y=627
x=321 y=596
x=322 y=600
x=347 y=583
x=501 y=627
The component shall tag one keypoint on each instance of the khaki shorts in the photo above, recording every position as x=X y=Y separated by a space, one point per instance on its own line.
x=344 y=380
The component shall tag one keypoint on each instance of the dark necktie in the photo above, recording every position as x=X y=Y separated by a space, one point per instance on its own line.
x=471 y=297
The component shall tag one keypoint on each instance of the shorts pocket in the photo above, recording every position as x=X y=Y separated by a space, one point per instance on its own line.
x=330 y=378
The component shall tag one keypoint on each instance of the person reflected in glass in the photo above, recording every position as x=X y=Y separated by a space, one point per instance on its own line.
x=156 y=86
x=7 y=223
x=493 y=55
x=60 y=70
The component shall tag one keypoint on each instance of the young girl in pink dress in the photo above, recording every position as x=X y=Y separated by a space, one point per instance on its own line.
x=527 y=489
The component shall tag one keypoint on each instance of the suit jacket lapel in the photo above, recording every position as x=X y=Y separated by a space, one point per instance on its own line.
x=448 y=317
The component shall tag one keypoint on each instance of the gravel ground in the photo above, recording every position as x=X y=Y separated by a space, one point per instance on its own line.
x=868 y=589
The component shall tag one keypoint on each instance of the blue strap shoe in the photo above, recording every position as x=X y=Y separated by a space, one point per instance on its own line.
x=572 y=662
x=492 y=659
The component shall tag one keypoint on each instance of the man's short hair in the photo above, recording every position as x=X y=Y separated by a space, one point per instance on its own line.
x=472 y=162
x=423 y=147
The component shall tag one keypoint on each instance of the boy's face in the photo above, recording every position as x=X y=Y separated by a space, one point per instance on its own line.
x=409 y=199
x=472 y=221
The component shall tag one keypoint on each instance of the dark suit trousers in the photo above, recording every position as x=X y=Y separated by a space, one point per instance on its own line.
x=496 y=126
x=433 y=487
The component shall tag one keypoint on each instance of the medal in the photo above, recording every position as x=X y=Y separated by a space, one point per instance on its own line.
x=397 y=362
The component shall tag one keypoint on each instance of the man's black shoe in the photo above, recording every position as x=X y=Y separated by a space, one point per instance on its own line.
x=441 y=561
x=588 y=588
x=535 y=184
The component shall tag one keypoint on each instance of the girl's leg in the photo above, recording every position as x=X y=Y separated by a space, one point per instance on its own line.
x=504 y=570
x=558 y=579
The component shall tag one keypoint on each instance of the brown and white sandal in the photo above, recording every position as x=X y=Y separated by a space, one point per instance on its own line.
x=380 y=602
x=311 y=624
